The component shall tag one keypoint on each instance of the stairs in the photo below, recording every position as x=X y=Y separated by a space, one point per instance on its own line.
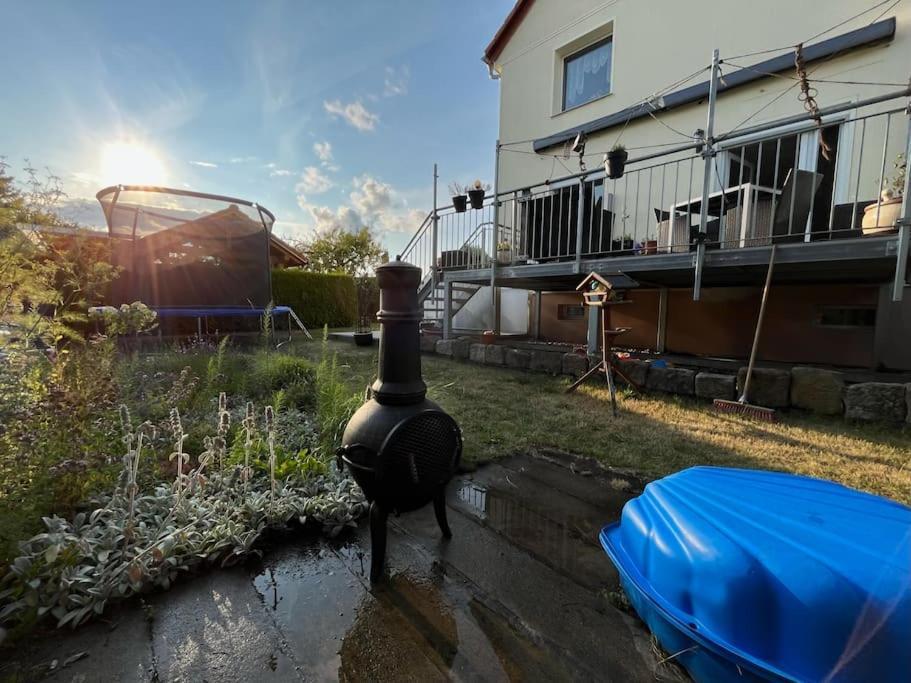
x=432 y=300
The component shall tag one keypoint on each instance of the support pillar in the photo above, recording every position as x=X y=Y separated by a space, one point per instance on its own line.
x=537 y=319
x=447 y=309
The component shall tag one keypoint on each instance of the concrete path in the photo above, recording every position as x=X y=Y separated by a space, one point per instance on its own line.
x=518 y=593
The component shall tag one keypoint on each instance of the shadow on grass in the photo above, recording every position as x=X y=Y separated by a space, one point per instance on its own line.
x=506 y=412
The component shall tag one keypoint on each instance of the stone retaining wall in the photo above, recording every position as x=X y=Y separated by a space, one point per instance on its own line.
x=811 y=389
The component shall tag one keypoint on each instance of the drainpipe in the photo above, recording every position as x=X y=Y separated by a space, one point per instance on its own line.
x=708 y=153
x=494 y=235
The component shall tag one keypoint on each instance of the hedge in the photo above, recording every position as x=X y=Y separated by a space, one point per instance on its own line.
x=317 y=298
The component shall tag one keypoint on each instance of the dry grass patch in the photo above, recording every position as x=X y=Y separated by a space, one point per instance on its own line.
x=503 y=412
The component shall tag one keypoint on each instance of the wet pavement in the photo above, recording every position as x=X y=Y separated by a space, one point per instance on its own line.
x=519 y=593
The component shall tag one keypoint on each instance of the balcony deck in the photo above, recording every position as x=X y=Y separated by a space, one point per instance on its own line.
x=860 y=260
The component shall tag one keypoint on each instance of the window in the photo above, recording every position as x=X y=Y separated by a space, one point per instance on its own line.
x=570 y=312
x=849 y=316
x=587 y=74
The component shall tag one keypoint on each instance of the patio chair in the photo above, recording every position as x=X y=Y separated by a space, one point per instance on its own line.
x=684 y=236
x=799 y=186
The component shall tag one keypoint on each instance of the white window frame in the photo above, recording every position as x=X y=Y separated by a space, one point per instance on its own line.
x=573 y=47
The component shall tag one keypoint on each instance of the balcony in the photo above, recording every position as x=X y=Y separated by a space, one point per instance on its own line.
x=811 y=189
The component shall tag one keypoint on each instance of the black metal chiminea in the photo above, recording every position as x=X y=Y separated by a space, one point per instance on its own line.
x=401 y=448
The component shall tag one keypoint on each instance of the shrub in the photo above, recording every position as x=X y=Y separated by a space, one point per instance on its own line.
x=318 y=298
x=270 y=372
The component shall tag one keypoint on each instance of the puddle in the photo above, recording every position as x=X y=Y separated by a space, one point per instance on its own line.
x=557 y=529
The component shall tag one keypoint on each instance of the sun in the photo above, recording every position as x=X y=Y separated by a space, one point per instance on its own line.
x=127 y=162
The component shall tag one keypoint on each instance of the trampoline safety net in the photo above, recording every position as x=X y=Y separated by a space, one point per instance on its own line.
x=187 y=249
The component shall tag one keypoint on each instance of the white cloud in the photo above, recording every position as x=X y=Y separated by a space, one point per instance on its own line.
x=323 y=151
x=372 y=203
x=204 y=164
x=242 y=160
x=354 y=113
x=313 y=181
x=396 y=82
x=282 y=172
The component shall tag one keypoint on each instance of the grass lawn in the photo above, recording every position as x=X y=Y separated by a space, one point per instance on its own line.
x=503 y=412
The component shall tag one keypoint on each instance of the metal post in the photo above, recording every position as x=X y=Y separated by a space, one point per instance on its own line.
x=708 y=153
x=662 y=320
x=447 y=309
x=537 y=322
x=904 y=223
x=580 y=211
x=592 y=335
x=494 y=237
x=434 y=234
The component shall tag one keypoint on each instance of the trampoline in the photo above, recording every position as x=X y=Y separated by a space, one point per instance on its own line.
x=191 y=255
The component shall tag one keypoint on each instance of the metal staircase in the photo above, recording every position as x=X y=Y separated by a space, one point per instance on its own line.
x=431 y=298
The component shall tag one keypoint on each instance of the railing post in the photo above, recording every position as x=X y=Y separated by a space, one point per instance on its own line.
x=904 y=223
x=494 y=234
x=580 y=214
x=708 y=153
x=434 y=234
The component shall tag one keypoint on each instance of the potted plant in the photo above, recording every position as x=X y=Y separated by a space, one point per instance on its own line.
x=615 y=161
x=623 y=244
x=504 y=253
x=459 y=198
x=488 y=337
x=882 y=216
x=366 y=300
x=476 y=194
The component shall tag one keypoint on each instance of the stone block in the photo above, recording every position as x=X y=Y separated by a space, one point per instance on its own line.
x=444 y=347
x=476 y=353
x=429 y=343
x=817 y=390
x=636 y=370
x=712 y=385
x=876 y=401
x=671 y=380
x=574 y=364
x=461 y=347
x=517 y=358
x=769 y=388
x=494 y=354
x=546 y=361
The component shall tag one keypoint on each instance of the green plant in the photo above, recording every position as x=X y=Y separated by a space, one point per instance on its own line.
x=335 y=404
x=618 y=147
x=318 y=298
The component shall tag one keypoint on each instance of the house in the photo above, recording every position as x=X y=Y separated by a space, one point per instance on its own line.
x=802 y=148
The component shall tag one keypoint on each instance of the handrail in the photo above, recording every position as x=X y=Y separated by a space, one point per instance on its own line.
x=422 y=228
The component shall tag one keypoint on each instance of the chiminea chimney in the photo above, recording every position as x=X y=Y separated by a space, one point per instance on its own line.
x=401 y=448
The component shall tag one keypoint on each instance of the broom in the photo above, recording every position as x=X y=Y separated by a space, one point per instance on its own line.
x=740 y=406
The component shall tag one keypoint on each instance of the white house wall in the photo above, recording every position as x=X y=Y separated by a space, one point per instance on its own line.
x=658 y=42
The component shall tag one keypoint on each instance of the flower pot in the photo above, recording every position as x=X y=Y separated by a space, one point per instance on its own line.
x=651 y=247
x=889 y=213
x=488 y=337
x=622 y=245
x=504 y=256
x=616 y=163
x=477 y=198
x=460 y=203
x=363 y=338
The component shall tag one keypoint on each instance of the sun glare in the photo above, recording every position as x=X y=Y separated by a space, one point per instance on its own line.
x=131 y=163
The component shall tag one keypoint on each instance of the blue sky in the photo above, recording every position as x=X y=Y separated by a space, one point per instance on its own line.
x=327 y=113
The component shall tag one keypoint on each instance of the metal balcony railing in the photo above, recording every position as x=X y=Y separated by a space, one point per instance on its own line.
x=787 y=181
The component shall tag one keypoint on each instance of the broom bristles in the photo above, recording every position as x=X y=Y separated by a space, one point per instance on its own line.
x=746 y=409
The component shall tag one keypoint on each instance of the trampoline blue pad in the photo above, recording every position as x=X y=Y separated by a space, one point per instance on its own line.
x=752 y=575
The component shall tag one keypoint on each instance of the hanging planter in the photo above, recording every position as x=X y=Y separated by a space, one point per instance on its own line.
x=476 y=194
x=459 y=198
x=615 y=162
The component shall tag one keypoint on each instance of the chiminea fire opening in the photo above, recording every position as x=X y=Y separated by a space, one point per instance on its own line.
x=401 y=448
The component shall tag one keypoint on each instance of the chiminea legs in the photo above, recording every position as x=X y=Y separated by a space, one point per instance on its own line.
x=439 y=509
x=377 y=541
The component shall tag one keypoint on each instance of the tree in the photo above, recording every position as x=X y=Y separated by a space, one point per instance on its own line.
x=339 y=251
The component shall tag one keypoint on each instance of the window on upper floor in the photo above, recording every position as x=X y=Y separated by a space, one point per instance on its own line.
x=587 y=74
